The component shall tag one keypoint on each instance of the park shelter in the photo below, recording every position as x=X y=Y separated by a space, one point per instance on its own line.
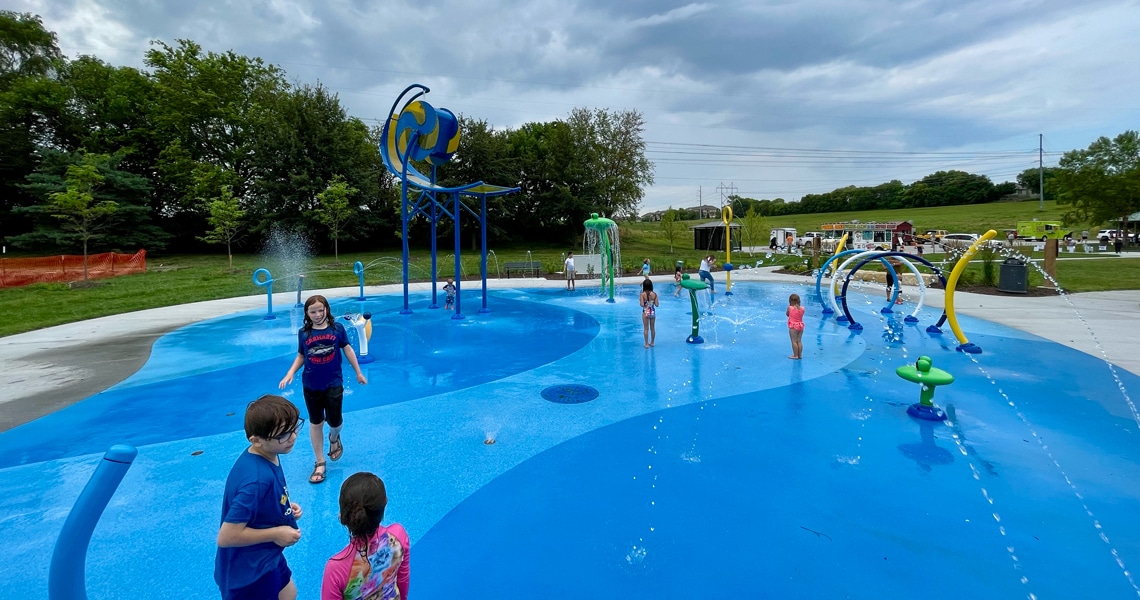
x=710 y=236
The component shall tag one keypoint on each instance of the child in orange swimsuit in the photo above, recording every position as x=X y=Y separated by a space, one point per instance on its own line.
x=795 y=315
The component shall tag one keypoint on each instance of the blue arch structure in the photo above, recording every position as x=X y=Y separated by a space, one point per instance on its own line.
x=420 y=132
x=882 y=256
x=827 y=310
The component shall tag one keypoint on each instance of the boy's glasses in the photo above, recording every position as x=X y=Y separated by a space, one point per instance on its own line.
x=292 y=432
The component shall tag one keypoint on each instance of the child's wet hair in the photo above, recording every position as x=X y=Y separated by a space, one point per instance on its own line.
x=362 y=503
x=270 y=416
x=313 y=300
x=794 y=299
x=647 y=285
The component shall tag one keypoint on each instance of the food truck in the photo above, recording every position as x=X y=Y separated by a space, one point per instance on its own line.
x=871 y=236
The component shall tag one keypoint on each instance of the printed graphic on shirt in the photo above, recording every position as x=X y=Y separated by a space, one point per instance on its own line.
x=321 y=348
x=373 y=577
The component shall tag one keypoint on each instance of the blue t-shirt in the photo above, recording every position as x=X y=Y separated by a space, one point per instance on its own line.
x=256 y=495
x=321 y=349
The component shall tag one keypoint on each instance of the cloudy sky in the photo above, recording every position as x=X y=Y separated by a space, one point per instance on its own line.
x=762 y=98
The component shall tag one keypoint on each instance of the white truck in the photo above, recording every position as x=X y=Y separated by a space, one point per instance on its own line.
x=780 y=237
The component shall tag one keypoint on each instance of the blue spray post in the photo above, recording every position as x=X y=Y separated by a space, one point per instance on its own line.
x=268 y=285
x=66 y=577
x=358 y=269
x=300 y=286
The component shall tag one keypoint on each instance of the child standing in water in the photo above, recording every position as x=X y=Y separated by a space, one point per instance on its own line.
x=645 y=269
x=375 y=562
x=677 y=279
x=449 y=289
x=795 y=315
x=319 y=344
x=649 y=306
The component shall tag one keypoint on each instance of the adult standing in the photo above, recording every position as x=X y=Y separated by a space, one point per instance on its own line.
x=1118 y=243
x=568 y=268
x=705 y=271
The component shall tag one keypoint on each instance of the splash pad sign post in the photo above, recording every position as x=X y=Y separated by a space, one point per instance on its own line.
x=694 y=287
x=924 y=373
x=602 y=228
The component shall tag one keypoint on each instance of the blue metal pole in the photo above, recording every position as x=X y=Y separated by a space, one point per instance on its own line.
x=434 y=246
x=458 y=267
x=66 y=577
x=358 y=268
x=404 y=225
x=483 y=262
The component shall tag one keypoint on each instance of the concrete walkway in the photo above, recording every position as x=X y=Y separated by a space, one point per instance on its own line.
x=51 y=368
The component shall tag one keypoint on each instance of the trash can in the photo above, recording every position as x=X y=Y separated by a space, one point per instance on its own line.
x=1014 y=276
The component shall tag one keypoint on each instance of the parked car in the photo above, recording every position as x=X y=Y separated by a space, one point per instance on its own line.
x=932 y=235
x=1111 y=234
x=959 y=240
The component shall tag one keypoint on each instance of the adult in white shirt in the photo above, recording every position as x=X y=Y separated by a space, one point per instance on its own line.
x=705 y=271
x=568 y=268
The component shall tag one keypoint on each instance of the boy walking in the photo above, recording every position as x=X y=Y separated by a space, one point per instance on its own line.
x=258 y=520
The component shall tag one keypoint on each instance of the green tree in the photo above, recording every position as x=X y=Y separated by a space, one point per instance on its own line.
x=205 y=111
x=76 y=207
x=1102 y=182
x=670 y=226
x=752 y=228
x=26 y=48
x=30 y=101
x=225 y=219
x=613 y=151
x=131 y=226
x=1030 y=179
x=333 y=209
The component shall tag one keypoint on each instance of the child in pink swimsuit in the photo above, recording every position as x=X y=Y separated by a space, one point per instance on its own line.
x=795 y=315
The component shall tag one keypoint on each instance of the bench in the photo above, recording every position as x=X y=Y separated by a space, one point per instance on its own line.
x=524 y=268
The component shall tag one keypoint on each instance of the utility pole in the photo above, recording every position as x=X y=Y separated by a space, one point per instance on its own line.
x=722 y=189
x=1041 y=171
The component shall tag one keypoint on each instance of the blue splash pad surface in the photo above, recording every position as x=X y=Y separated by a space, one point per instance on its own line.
x=758 y=475
x=200 y=377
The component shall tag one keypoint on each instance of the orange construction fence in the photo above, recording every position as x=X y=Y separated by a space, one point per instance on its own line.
x=15 y=272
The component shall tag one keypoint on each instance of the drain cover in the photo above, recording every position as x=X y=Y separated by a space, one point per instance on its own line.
x=569 y=394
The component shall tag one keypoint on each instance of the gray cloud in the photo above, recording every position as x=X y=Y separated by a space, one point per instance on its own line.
x=872 y=75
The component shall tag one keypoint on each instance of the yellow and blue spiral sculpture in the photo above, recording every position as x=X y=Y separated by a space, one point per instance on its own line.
x=417 y=132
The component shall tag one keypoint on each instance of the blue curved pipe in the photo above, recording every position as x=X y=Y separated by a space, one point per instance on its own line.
x=882 y=256
x=66 y=577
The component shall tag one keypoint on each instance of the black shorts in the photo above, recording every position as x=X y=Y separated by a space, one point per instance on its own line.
x=325 y=405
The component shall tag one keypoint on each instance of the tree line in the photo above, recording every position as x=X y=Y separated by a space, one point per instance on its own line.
x=203 y=147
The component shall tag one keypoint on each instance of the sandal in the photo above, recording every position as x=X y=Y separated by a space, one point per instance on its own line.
x=336 y=449
x=318 y=475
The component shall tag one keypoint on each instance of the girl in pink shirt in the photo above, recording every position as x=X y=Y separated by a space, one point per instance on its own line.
x=795 y=314
x=374 y=565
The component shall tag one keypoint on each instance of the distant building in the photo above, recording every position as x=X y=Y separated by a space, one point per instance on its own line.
x=710 y=236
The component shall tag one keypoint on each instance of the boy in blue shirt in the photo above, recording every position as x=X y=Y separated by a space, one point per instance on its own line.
x=258 y=520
